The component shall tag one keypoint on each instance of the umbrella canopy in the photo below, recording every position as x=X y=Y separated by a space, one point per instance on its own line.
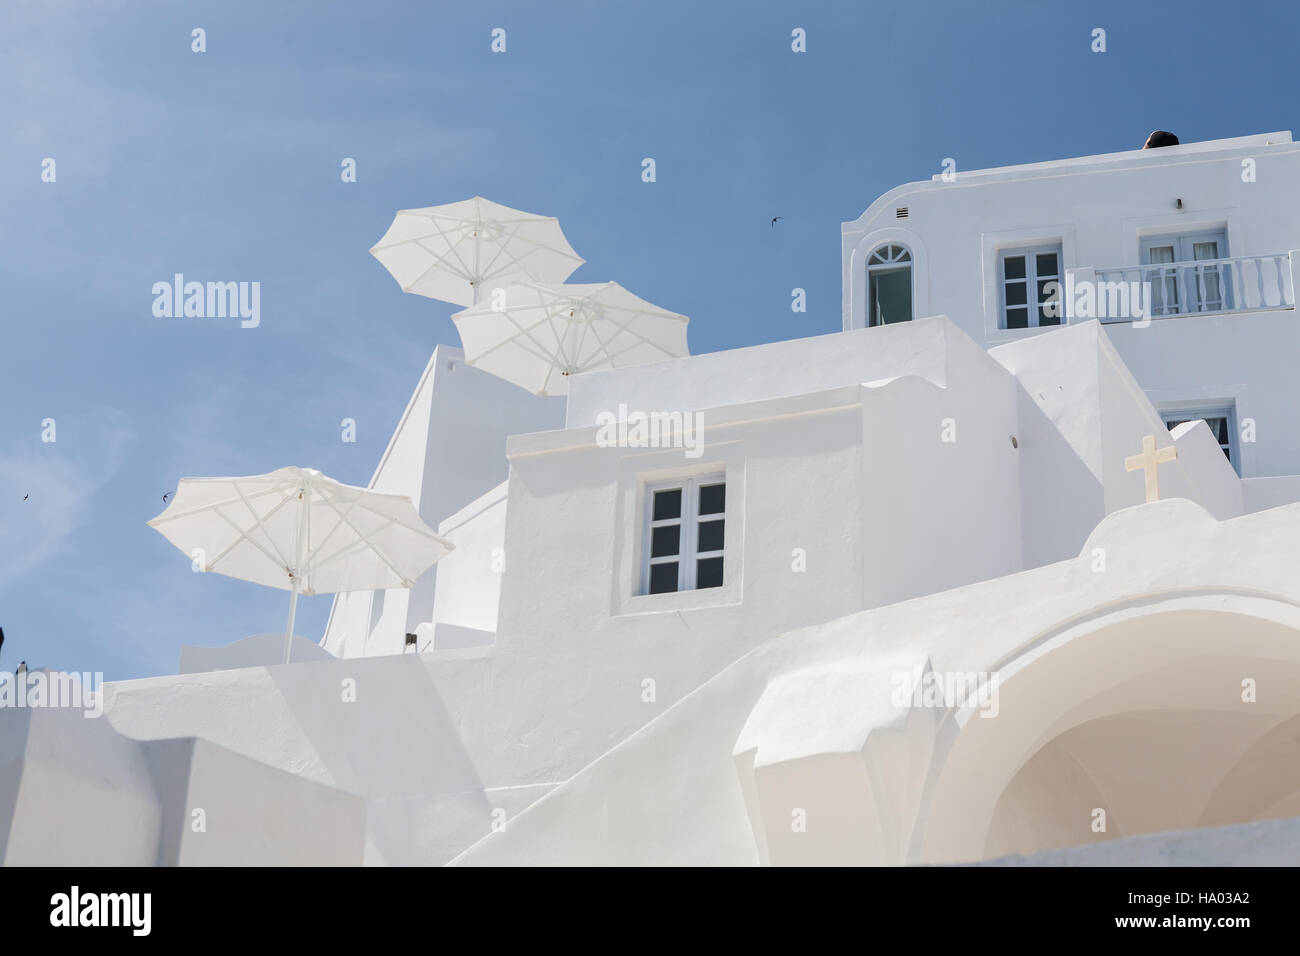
x=542 y=333
x=455 y=252
x=297 y=530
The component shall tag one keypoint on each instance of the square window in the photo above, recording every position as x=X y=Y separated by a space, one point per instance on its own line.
x=685 y=535
x=1031 y=269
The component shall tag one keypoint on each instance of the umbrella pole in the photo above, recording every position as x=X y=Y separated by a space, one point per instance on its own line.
x=300 y=540
x=293 y=609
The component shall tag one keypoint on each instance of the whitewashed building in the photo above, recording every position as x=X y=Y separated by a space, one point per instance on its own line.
x=721 y=647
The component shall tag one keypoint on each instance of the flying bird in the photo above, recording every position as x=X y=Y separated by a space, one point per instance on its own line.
x=2 y=638
x=165 y=497
x=26 y=496
x=776 y=219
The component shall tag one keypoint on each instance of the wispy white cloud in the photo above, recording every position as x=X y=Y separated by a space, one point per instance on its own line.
x=50 y=489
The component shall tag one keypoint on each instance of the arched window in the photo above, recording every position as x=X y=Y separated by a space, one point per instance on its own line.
x=889 y=285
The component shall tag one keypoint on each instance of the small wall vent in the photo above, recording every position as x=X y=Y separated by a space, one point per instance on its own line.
x=900 y=212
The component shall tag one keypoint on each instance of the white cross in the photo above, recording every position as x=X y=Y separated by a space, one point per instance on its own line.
x=1149 y=461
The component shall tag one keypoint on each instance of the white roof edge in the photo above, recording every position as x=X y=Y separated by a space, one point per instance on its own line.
x=493 y=496
x=1277 y=138
x=439 y=351
x=1188 y=152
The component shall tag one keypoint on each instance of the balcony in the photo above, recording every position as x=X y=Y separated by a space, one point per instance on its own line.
x=1171 y=289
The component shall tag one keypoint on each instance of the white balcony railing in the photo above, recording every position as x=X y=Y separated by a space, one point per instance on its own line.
x=1240 y=284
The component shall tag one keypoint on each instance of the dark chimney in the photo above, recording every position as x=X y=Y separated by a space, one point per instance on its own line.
x=1160 y=138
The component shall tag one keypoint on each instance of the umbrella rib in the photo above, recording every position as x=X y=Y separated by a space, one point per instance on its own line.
x=626 y=327
x=346 y=551
x=542 y=352
x=364 y=543
x=258 y=521
x=546 y=382
x=414 y=529
x=460 y=220
x=440 y=261
x=547 y=247
x=604 y=346
x=364 y=537
x=444 y=259
x=336 y=527
x=208 y=507
x=243 y=536
x=518 y=261
x=502 y=251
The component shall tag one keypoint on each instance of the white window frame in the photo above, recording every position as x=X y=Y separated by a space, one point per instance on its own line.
x=1203 y=412
x=688 y=539
x=1032 y=303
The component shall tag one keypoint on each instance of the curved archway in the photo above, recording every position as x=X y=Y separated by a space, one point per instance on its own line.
x=861 y=268
x=1139 y=712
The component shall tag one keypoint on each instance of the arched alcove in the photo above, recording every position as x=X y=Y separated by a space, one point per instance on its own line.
x=1137 y=711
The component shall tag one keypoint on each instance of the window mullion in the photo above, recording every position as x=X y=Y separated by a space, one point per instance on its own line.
x=689 y=536
x=1031 y=289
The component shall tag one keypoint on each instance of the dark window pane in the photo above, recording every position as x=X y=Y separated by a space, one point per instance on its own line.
x=1220 y=428
x=713 y=499
x=663 y=577
x=712 y=534
x=708 y=573
x=1049 y=290
x=1045 y=263
x=891 y=297
x=1016 y=293
x=1017 y=318
x=1014 y=267
x=665 y=540
x=668 y=504
x=1045 y=319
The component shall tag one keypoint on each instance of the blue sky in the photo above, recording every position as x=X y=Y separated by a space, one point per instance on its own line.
x=225 y=166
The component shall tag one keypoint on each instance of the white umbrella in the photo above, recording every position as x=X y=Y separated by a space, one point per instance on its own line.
x=454 y=252
x=297 y=530
x=542 y=333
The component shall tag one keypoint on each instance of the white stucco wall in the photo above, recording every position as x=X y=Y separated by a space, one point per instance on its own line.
x=1099 y=208
x=248 y=652
x=469 y=579
x=889 y=489
x=448 y=449
x=714 y=780
x=74 y=791
x=774 y=370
